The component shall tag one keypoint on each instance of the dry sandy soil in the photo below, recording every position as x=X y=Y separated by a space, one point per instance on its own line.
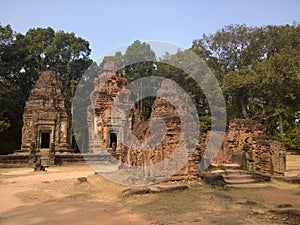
x=55 y=197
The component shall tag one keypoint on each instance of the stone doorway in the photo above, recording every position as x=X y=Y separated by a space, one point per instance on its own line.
x=113 y=140
x=45 y=139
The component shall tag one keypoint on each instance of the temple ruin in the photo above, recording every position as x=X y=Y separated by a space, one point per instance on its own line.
x=244 y=143
x=46 y=119
x=46 y=130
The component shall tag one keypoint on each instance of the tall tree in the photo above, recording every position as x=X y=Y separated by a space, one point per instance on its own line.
x=11 y=96
x=279 y=83
x=230 y=53
x=139 y=60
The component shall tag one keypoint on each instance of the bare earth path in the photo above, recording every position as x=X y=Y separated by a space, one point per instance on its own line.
x=55 y=197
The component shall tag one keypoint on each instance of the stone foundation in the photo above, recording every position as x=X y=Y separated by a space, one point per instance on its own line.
x=26 y=160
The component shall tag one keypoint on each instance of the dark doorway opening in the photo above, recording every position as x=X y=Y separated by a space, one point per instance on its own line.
x=45 y=140
x=113 y=140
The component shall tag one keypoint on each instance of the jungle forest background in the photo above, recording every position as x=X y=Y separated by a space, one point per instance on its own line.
x=258 y=69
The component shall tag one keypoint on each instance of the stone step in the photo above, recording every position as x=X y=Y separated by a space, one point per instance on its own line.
x=45 y=162
x=227 y=166
x=247 y=186
x=237 y=176
x=241 y=181
x=218 y=171
x=237 y=171
x=231 y=172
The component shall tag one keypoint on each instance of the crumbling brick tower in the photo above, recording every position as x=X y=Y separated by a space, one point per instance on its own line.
x=105 y=129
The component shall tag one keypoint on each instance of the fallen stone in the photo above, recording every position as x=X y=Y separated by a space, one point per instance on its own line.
x=286 y=211
x=171 y=187
x=136 y=191
x=46 y=182
x=82 y=180
x=247 y=202
x=291 y=214
x=213 y=179
x=155 y=189
x=285 y=205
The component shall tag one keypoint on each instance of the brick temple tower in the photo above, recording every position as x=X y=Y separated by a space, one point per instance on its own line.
x=46 y=119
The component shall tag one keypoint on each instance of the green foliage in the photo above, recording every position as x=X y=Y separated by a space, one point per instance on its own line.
x=187 y=81
x=290 y=139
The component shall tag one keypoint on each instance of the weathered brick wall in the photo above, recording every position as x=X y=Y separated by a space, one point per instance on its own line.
x=173 y=138
x=246 y=144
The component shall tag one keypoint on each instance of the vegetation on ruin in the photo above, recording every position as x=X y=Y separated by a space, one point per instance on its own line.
x=258 y=69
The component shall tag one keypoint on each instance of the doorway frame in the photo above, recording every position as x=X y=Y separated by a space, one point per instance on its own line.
x=40 y=136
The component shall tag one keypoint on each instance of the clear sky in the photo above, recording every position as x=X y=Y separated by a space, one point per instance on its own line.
x=109 y=24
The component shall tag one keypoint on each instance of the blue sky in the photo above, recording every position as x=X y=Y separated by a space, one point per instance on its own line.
x=109 y=24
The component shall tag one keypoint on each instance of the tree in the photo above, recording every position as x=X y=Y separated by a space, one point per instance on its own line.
x=279 y=78
x=231 y=53
x=10 y=96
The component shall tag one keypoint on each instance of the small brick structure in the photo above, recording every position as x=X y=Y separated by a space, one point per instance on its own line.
x=246 y=144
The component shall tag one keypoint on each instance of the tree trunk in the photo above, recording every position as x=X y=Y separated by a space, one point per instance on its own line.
x=280 y=124
x=244 y=108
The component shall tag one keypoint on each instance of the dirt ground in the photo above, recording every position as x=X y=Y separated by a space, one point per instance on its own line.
x=55 y=197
